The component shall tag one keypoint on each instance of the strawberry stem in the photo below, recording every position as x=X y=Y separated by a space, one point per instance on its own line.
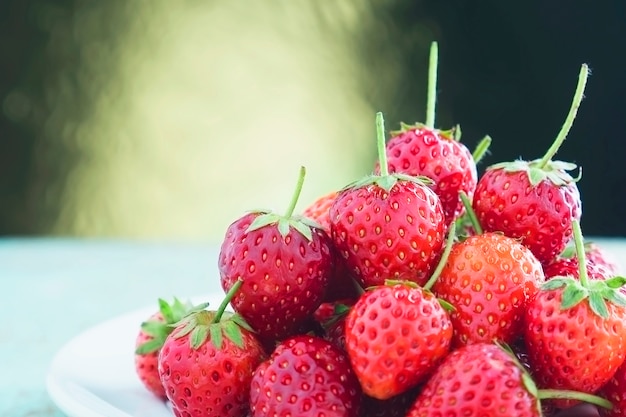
x=229 y=296
x=580 y=254
x=545 y=394
x=469 y=210
x=578 y=97
x=432 y=85
x=444 y=257
x=481 y=149
x=380 y=142
x=296 y=194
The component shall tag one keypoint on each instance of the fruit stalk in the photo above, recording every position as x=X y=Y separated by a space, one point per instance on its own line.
x=296 y=194
x=432 y=85
x=578 y=97
x=229 y=296
x=380 y=142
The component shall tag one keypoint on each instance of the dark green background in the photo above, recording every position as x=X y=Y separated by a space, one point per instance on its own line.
x=508 y=69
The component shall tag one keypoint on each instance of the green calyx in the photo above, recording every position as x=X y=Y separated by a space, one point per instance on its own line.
x=554 y=171
x=285 y=222
x=205 y=325
x=385 y=180
x=453 y=134
x=545 y=168
x=159 y=330
x=598 y=292
x=552 y=394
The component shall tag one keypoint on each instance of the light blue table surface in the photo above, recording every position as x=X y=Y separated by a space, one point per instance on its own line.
x=54 y=289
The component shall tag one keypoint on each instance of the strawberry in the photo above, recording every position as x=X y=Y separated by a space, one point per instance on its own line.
x=319 y=210
x=206 y=363
x=285 y=263
x=341 y=284
x=575 y=330
x=395 y=336
x=535 y=201
x=615 y=391
x=151 y=337
x=483 y=379
x=422 y=150
x=305 y=376
x=489 y=278
x=388 y=226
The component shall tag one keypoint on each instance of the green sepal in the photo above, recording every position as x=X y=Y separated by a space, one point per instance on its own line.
x=198 y=336
x=149 y=347
x=284 y=224
x=215 y=332
x=573 y=294
x=242 y=322
x=554 y=283
x=233 y=332
x=386 y=182
x=554 y=171
x=597 y=304
x=615 y=282
x=159 y=330
x=449 y=307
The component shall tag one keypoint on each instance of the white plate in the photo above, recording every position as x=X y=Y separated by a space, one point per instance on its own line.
x=93 y=375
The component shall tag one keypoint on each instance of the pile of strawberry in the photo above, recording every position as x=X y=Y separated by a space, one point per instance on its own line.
x=420 y=290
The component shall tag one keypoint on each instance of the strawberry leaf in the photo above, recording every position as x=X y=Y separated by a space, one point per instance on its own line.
x=573 y=294
x=242 y=322
x=615 y=282
x=216 y=335
x=303 y=229
x=554 y=283
x=198 y=336
x=598 y=304
x=149 y=347
x=615 y=297
x=233 y=333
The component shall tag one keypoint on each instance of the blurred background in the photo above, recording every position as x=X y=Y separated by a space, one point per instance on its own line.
x=160 y=119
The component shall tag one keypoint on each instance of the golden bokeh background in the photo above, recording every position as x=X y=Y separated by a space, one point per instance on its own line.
x=178 y=116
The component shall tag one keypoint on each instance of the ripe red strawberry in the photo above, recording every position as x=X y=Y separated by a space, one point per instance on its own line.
x=341 y=283
x=422 y=151
x=388 y=226
x=319 y=210
x=533 y=201
x=575 y=330
x=480 y=379
x=395 y=336
x=483 y=379
x=305 y=376
x=615 y=391
x=206 y=364
x=489 y=279
x=285 y=263
x=151 y=337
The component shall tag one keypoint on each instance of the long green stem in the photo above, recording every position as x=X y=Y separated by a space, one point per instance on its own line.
x=229 y=296
x=380 y=143
x=444 y=257
x=544 y=394
x=296 y=194
x=432 y=85
x=481 y=149
x=578 y=97
x=471 y=214
x=580 y=254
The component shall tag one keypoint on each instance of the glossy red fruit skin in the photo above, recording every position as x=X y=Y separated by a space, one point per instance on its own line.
x=395 y=336
x=473 y=381
x=209 y=382
x=388 y=235
x=341 y=283
x=574 y=348
x=489 y=279
x=284 y=279
x=146 y=366
x=305 y=376
x=615 y=391
x=541 y=215
x=436 y=155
